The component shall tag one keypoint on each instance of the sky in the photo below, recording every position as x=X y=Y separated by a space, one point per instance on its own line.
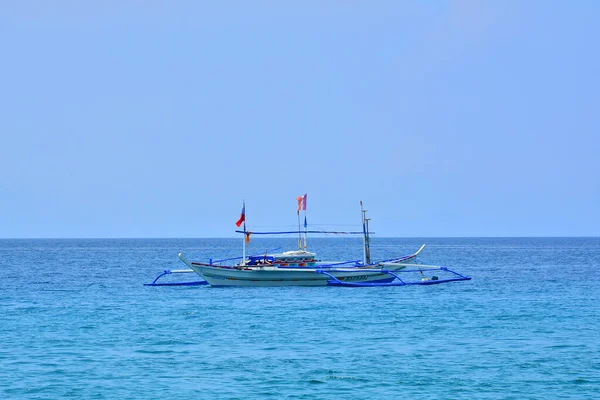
x=158 y=119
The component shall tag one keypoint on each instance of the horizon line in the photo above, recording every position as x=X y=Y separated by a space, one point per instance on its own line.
x=316 y=237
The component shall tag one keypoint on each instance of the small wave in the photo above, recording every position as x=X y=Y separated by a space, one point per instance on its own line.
x=581 y=381
x=346 y=377
x=142 y=351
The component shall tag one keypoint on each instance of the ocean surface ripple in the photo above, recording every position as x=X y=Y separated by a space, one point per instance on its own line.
x=76 y=321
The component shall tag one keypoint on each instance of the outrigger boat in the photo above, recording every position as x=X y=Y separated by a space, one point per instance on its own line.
x=301 y=267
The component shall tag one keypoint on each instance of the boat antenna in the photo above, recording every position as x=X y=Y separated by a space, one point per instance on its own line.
x=366 y=240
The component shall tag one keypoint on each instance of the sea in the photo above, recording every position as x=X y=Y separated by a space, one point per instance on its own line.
x=76 y=321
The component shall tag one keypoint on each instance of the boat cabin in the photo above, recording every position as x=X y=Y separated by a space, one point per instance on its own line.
x=298 y=258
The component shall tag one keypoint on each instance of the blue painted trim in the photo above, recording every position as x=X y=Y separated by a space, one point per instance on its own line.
x=168 y=272
x=197 y=283
x=395 y=282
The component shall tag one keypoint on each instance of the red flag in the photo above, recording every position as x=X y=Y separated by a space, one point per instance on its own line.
x=242 y=217
x=301 y=202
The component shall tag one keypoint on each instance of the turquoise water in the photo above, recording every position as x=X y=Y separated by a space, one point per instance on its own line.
x=76 y=321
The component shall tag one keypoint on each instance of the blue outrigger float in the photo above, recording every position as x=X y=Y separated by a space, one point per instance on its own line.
x=301 y=268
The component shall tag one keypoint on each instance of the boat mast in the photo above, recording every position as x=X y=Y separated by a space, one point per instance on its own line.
x=366 y=240
x=244 y=237
x=299 y=231
x=305 y=225
x=244 y=247
x=301 y=206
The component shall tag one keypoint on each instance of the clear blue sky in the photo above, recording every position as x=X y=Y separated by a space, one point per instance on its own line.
x=155 y=119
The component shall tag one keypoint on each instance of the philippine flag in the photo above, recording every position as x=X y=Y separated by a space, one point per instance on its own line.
x=242 y=217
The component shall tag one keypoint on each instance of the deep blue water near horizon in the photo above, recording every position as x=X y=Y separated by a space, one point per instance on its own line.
x=76 y=321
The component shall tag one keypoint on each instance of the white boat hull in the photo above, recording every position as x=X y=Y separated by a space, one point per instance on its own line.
x=279 y=276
